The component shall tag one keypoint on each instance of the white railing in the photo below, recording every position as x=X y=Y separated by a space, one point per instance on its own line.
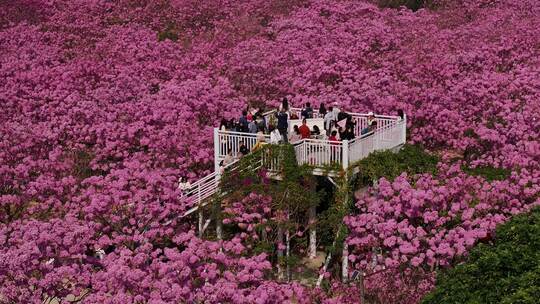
x=390 y=133
x=318 y=153
x=233 y=140
x=204 y=188
x=390 y=136
x=361 y=147
x=383 y=121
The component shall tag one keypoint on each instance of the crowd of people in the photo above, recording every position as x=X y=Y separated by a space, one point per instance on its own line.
x=277 y=125
x=338 y=125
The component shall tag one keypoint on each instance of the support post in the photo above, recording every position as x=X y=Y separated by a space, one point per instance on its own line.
x=345 y=154
x=362 y=289
x=201 y=222
x=219 y=223
x=404 y=129
x=280 y=252
x=312 y=253
x=216 y=150
x=345 y=262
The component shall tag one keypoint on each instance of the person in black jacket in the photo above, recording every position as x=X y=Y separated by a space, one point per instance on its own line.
x=243 y=149
x=283 y=124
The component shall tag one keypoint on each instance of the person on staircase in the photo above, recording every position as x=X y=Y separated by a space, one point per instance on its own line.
x=305 y=132
x=370 y=128
x=184 y=186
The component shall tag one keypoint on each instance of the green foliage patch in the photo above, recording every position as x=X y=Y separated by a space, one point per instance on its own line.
x=410 y=4
x=411 y=159
x=488 y=172
x=507 y=271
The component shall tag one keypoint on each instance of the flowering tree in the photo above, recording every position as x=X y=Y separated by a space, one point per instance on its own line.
x=105 y=104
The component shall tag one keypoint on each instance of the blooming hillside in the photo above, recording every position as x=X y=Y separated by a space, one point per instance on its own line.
x=106 y=103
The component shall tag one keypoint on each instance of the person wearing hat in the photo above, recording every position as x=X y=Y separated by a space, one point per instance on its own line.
x=370 y=118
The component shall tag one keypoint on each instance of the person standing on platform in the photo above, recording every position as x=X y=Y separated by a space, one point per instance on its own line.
x=328 y=119
x=370 y=118
x=243 y=122
x=252 y=127
x=322 y=111
x=283 y=124
x=275 y=136
x=305 y=132
x=295 y=135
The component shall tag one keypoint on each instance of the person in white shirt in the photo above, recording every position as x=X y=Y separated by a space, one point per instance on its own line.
x=184 y=185
x=275 y=136
x=336 y=110
x=328 y=118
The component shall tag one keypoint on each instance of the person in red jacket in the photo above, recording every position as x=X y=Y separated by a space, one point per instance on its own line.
x=305 y=132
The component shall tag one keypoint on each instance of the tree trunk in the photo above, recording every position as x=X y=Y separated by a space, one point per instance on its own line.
x=288 y=253
x=219 y=223
x=201 y=222
x=326 y=263
x=345 y=263
x=280 y=252
x=312 y=252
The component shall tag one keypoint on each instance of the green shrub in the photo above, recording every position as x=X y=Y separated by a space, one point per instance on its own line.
x=168 y=33
x=410 y=4
x=488 y=172
x=507 y=271
x=411 y=159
